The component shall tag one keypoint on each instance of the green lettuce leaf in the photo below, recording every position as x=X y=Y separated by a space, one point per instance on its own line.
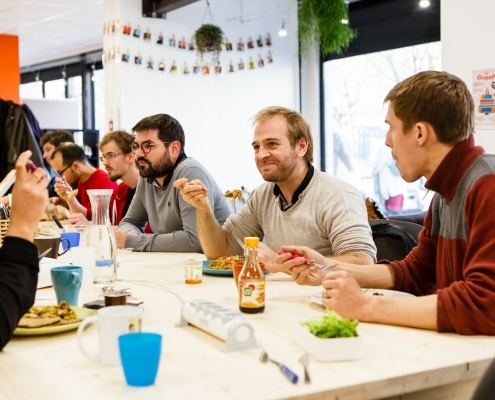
x=332 y=325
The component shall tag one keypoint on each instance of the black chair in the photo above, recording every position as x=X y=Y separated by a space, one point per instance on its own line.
x=485 y=389
x=394 y=239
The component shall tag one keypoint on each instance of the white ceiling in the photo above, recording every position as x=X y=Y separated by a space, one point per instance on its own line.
x=52 y=29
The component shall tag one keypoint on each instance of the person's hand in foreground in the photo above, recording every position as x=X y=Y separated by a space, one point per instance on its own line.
x=29 y=199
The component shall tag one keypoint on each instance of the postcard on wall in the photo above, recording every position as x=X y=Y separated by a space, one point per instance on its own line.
x=484 y=98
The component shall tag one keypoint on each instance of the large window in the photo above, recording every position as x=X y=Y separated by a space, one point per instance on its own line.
x=354 y=117
x=79 y=78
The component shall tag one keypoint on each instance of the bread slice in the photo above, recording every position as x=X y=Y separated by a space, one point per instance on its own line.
x=38 y=322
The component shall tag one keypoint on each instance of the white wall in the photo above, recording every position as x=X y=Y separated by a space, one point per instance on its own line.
x=467 y=45
x=55 y=114
x=214 y=111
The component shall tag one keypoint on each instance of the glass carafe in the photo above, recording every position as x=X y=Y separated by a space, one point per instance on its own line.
x=101 y=237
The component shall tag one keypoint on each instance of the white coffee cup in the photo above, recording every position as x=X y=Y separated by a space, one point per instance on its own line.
x=112 y=322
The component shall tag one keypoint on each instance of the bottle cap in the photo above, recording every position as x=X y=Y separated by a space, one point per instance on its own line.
x=251 y=241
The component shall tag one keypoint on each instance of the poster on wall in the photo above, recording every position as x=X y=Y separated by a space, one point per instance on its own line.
x=484 y=98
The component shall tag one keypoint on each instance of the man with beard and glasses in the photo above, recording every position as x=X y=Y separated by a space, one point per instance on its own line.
x=298 y=204
x=118 y=160
x=159 y=153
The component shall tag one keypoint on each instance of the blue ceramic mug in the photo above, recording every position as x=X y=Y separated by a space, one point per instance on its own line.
x=73 y=239
x=66 y=282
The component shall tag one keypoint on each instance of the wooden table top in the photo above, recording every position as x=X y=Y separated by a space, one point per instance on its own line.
x=395 y=360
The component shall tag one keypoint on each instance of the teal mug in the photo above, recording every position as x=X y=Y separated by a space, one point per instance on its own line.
x=66 y=282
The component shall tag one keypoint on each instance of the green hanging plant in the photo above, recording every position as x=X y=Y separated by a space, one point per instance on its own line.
x=209 y=39
x=320 y=25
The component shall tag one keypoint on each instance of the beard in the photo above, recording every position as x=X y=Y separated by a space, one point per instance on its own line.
x=284 y=170
x=159 y=170
x=114 y=177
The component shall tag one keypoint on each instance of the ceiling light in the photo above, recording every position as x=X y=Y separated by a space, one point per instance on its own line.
x=282 y=32
x=424 y=3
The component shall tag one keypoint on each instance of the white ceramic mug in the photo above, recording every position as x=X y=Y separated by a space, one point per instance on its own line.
x=112 y=322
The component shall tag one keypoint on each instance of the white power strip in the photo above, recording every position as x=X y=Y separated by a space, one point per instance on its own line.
x=228 y=325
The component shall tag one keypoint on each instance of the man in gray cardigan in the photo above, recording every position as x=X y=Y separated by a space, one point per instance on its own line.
x=297 y=204
x=158 y=219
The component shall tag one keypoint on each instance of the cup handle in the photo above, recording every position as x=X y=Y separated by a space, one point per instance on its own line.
x=75 y=278
x=80 y=330
x=68 y=246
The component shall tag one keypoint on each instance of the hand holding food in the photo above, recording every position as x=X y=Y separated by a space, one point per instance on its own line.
x=29 y=198
x=193 y=192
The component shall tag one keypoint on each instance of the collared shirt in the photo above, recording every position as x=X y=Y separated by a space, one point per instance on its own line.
x=284 y=206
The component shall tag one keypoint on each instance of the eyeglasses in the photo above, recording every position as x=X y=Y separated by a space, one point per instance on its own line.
x=65 y=169
x=109 y=156
x=146 y=146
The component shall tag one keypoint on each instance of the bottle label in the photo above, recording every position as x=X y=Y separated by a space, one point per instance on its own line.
x=252 y=293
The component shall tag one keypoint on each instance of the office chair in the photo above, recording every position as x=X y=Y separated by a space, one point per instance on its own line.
x=394 y=239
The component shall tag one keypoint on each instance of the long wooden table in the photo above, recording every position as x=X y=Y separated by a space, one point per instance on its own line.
x=396 y=361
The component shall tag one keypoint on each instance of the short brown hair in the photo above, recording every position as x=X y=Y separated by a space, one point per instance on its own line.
x=297 y=126
x=169 y=129
x=70 y=152
x=441 y=99
x=121 y=138
x=56 y=137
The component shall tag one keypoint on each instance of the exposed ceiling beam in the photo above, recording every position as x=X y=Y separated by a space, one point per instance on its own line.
x=159 y=8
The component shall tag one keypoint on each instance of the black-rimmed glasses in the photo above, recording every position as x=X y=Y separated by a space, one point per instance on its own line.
x=145 y=146
x=109 y=156
x=65 y=169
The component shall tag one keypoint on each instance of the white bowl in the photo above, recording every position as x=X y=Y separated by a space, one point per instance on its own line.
x=329 y=349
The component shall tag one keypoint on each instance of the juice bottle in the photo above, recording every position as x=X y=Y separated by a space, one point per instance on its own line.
x=251 y=280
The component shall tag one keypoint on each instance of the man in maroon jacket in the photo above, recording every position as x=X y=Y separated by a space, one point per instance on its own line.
x=452 y=270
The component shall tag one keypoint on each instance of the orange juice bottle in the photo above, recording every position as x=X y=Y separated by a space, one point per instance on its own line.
x=251 y=280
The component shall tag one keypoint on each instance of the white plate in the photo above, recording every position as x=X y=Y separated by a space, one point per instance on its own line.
x=316 y=298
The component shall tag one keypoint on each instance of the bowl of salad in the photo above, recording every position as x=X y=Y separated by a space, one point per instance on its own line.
x=330 y=337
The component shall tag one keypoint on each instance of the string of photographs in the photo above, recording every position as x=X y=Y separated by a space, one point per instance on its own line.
x=150 y=51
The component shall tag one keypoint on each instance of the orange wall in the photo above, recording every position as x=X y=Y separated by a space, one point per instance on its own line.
x=10 y=74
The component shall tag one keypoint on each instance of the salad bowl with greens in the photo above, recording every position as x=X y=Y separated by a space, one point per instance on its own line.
x=330 y=337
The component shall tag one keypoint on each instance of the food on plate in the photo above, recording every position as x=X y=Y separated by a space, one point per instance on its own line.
x=225 y=263
x=233 y=194
x=39 y=316
x=62 y=213
x=332 y=325
x=72 y=194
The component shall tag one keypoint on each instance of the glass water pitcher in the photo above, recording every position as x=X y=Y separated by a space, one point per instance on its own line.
x=101 y=237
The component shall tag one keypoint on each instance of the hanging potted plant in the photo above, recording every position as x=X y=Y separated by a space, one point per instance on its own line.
x=209 y=39
x=320 y=25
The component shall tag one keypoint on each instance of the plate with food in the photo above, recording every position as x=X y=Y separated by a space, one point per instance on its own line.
x=45 y=320
x=316 y=298
x=222 y=266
